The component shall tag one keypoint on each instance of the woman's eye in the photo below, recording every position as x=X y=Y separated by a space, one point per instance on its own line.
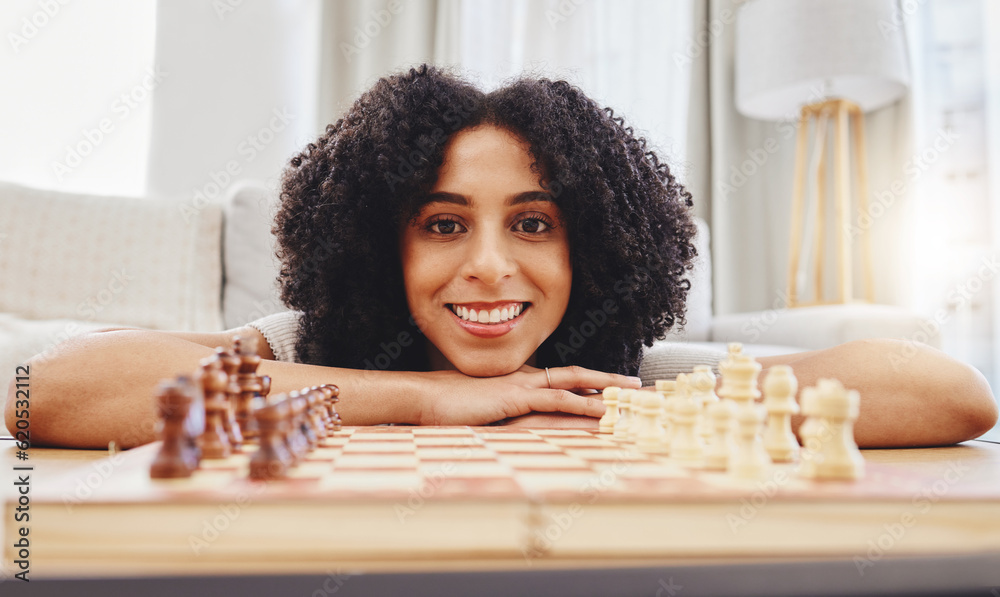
x=532 y=225
x=445 y=227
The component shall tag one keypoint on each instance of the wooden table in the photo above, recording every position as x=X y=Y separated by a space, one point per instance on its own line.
x=951 y=567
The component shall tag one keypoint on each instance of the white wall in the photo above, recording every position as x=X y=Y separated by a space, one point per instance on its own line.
x=238 y=95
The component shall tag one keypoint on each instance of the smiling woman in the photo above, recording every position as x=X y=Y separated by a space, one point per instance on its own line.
x=531 y=194
x=442 y=248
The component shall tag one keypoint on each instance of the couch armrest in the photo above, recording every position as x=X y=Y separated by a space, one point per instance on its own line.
x=824 y=326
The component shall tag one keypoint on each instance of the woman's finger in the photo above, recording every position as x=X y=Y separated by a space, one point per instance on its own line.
x=565 y=401
x=574 y=377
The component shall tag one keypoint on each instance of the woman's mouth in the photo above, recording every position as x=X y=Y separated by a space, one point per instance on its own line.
x=488 y=320
x=488 y=314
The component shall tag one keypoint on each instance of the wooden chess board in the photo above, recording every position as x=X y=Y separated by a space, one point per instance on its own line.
x=489 y=495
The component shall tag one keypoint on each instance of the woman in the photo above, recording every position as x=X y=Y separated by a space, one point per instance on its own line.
x=442 y=250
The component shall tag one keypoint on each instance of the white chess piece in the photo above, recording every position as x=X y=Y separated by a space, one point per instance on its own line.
x=667 y=389
x=721 y=416
x=840 y=457
x=702 y=385
x=810 y=432
x=739 y=379
x=750 y=461
x=607 y=423
x=624 y=423
x=780 y=386
x=647 y=405
x=686 y=445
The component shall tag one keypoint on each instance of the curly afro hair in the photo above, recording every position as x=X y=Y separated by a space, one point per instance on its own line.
x=345 y=196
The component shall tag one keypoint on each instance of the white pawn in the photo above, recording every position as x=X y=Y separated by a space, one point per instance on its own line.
x=686 y=446
x=624 y=423
x=721 y=415
x=607 y=424
x=780 y=386
x=667 y=389
x=840 y=457
x=702 y=384
x=810 y=432
x=750 y=461
x=636 y=421
x=647 y=406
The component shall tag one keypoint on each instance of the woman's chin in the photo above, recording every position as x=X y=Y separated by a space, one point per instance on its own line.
x=488 y=369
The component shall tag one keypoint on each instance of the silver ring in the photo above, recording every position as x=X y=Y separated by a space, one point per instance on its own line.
x=548 y=377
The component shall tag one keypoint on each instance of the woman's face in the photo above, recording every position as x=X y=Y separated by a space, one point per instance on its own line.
x=486 y=262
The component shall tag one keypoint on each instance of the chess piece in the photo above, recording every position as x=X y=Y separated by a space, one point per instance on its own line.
x=230 y=364
x=174 y=460
x=739 y=379
x=750 y=460
x=285 y=426
x=780 y=387
x=305 y=421
x=272 y=459
x=686 y=445
x=810 y=433
x=298 y=443
x=702 y=383
x=214 y=441
x=332 y=394
x=252 y=389
x=624 y=423
x=316 y=420
x=840 y=457
x=647 y=407
x=721 y=416
x=194 y=423
x=667 y=389
x=607 y=423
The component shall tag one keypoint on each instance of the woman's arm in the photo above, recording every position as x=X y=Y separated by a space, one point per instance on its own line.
x=911 y=394
x=100 y=387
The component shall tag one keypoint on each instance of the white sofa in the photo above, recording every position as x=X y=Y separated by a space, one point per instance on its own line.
x=75 y=263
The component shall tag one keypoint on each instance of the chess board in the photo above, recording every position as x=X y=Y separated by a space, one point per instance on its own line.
x=487 y=494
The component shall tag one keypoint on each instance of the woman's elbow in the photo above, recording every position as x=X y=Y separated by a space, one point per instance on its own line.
x=974 y=401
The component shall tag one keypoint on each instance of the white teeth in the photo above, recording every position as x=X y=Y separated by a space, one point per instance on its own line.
x=484 y=316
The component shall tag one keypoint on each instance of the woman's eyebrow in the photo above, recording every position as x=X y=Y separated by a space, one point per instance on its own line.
x=529 y=197
x=443 y=197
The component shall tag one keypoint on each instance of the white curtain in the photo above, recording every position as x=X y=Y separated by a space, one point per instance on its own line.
x=627 y=55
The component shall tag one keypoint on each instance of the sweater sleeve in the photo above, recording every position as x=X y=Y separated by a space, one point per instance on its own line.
x=281 y=330
x=666 y=359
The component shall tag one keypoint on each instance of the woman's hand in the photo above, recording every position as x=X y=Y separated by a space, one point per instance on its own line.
x=453 y=398
x=553 y=421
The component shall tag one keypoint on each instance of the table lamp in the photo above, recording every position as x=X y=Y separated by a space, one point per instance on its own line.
x=824 y=63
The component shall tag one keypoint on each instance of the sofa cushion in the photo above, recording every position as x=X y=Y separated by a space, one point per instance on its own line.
x=251 y=268
x=823 y=326
x=131 y=262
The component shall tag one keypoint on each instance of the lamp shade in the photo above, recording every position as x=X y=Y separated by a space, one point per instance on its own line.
x=791 y=53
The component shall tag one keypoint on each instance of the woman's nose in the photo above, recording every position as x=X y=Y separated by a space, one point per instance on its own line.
x=489 y=259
